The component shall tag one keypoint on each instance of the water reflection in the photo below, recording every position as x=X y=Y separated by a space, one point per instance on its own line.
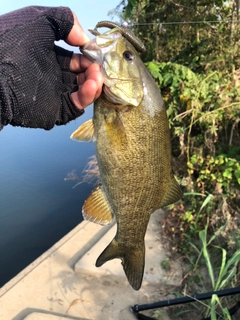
x=37 y=206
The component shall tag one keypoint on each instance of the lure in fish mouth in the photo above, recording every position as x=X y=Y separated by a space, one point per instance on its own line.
x=125 y=32
x=102 y=50
x=131 y=131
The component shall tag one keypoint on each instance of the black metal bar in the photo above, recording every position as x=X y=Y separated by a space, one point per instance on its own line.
x=231 y=311
x=166 y=303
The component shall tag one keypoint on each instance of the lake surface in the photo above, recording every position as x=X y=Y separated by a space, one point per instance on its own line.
x=37 y=206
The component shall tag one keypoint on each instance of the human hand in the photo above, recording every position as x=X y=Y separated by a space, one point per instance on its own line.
x=89 y=77
x=41 y=84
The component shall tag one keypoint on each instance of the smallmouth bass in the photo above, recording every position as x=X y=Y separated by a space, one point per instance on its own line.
x=130 y=127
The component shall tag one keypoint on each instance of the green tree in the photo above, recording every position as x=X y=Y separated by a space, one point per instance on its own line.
x=187 y=32
x=193 y=53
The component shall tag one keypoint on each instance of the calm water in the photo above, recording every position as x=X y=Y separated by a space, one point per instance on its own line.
x=37 y=206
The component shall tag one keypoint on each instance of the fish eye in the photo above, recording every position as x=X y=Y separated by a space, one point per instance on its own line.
x=128 y=55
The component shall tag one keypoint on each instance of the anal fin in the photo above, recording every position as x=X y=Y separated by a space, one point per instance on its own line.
x=97 y=209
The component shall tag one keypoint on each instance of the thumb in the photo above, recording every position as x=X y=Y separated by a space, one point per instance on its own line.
x=77 y=36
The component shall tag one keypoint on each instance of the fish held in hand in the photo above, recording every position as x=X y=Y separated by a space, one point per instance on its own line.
x=130 y=127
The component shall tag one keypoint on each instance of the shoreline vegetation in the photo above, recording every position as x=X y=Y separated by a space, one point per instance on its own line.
x=193 y=55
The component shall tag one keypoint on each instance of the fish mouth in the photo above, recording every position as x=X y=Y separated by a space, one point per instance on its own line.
x=91 y=51
x=96 y=49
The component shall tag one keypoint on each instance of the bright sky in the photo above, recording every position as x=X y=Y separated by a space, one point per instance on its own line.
x=89 y=12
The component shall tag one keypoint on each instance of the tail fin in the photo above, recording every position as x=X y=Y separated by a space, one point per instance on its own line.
x=133 y=261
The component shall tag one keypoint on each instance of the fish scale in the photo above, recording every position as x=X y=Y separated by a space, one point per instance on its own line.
x=133 y=149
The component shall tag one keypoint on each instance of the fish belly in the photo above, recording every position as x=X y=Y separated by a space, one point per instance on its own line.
x=133 y=152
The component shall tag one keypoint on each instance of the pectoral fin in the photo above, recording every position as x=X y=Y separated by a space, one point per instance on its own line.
x=97 y=209
x=173 y=193
x=85 y=132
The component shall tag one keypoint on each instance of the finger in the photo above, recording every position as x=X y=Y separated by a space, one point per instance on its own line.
x=85 y=95
x=92 y=72
x=79 y=63
x=77 y=36
x=88 y=91
x=92 y=69
x=81 y=78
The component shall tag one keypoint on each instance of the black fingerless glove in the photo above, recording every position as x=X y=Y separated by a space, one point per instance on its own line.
x=35 y=80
